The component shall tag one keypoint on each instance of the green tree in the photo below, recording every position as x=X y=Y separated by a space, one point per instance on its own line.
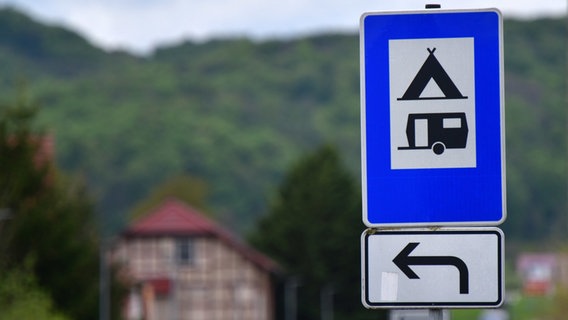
x=313 y=230
x=22 y=298
x=46 y=217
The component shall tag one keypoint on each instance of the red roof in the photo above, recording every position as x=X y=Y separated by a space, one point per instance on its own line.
x=172 y=217
x=175 y=218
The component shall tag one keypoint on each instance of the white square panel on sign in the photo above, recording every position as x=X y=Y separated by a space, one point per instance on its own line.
x=432 y=103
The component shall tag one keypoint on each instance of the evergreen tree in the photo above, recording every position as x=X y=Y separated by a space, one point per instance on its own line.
x=45 y=218
x=313 y=230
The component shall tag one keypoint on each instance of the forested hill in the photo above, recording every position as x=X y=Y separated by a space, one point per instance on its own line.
x=236 y=113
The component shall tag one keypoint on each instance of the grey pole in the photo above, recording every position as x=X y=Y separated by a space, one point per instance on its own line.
x=436 y=314
x=104 y=288
x=326 y=300
x=290 y=298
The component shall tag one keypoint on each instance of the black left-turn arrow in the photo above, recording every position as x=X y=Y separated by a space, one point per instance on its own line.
x=403 y=261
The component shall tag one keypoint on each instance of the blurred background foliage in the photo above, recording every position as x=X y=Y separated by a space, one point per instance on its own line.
x=235 y=127
x=236 y=113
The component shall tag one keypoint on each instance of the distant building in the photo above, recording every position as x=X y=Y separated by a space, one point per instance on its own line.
x=539 y=272
x=563 y=269
x=181 y=265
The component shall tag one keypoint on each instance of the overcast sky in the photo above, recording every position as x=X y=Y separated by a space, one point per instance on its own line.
x=140 y=25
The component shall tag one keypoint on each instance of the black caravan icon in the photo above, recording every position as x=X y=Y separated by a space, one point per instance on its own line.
x=436 y=131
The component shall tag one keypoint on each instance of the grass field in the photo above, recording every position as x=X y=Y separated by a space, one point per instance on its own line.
x=519 y=308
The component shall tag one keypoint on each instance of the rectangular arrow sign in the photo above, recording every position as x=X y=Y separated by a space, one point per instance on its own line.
x=446 y=268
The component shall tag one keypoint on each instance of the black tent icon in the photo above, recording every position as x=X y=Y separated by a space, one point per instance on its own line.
x=432 y=69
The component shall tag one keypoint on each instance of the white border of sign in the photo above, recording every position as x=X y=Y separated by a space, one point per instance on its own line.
x=389 y=286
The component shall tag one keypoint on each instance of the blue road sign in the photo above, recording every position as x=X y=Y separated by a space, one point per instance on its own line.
x=432 y=118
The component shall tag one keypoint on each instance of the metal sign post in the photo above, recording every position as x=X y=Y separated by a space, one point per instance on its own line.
x=433 y=159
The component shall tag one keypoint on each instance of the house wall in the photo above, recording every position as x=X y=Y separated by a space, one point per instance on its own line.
x=219 y=283
x=563 y=269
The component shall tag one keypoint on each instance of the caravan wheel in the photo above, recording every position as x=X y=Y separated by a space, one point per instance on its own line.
x=438 y=148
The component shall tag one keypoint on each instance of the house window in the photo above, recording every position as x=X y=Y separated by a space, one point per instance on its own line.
x=185 y=251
